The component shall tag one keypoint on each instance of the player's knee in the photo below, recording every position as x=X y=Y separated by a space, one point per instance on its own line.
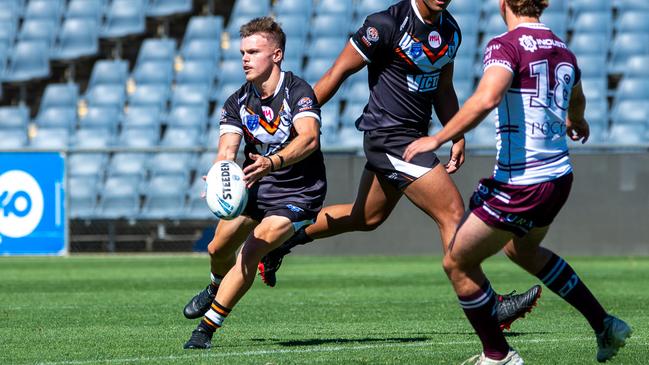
x=449 y=265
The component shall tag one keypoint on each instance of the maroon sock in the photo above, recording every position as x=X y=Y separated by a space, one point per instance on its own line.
x=559 y=277
x=480 y=309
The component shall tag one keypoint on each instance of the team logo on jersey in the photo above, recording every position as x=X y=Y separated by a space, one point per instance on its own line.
x=305 y=103
x=372 y=34
x=224 y=115
x=528 y=43
x=434 y=39
x=416 y=49
x=252 y=122
x=268 y=113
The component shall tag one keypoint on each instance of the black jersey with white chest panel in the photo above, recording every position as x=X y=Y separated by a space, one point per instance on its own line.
x=267 y=126
x=405 y=56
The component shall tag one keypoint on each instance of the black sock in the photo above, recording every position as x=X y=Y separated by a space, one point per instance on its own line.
x=559 y=277
x=299 y=238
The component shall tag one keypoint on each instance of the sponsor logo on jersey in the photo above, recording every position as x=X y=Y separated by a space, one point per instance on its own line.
x=528 y=43
x=305 y=103
x=252 y=122
x=268 y=112
x=416 y=49
x=423 y=82
x=531 y=44
x=224 y=115
x=434 y=39
x=372 y=34
x=393 y=176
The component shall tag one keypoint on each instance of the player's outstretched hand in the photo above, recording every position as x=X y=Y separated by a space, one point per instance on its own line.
x=457 y=157
x=420 y=145
x=578 y=130
x=258 y=169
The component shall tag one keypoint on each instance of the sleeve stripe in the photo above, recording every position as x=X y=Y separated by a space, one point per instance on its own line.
x=227 y=128
x=306 y=114
x=499 y=65
x=351 y=40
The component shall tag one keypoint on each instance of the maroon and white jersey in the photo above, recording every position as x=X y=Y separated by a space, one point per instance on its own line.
x=531 y=118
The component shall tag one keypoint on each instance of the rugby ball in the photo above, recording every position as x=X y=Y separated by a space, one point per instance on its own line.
x=225 y=192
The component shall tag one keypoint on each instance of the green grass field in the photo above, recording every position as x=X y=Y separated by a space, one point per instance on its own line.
x=325 y=310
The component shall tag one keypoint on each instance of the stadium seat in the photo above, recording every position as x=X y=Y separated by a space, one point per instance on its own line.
x=623 y=5
x=100 y=117
x=235 y=23
x=87 y=164
x=330 y=116
x=111 y=72
x=589 y=43
x=637 y=66
x=463 y=68
x=463 y=89
x=13 y=138
x=29 y=60
x=142 y=116
x=351 y=113
x=85 y=9
x=106 y=96
x=595 y=87
x=78 y=38
x=39 y=30
x=633 y=21
x=251 y=8
x=330 y=25
x=227 y=89
x=592 y=65
x=293 y=7
x=367 y=7
x=162 y=8
x=493 y=24
x=82 y=196
x=186 y=116
x=350 y=137
x=201 y=50
x=138 y=138
x=152 y=95
x=633 y=88
x=44 y=9
x=91 y=138
x=295 y=49
x=154 y=49
x=631 y=112
x=204 y=27
x=14 y=117
x=490 y=7
x=50 y=138
x=468 y=47
x=153 y=72
x=165 y=197
x=203 y=163
x=57 y=117
x=341 y=8
x=128 y=164
x=464 y=7
x=181 y=137
x=200 y=73
x=189 y=95
x=593 y=22
x=294 y=25
x=171 y=163
x=119 y=198
x=357 y=92
x=627 y=135
x=196 y=207
x=316 y=68
x=578 y=6
x=232 y=72
x=7 y=35
x=326 y=47
x=468 y=22
x=212 y=138
x=124 y=18
x=626 y=45
x=11 y=11
x=558 y=6
x=557 y=22
x=597 y=112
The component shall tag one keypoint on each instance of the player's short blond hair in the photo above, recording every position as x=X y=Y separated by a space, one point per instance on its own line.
x=267 y=26
x=531 y=8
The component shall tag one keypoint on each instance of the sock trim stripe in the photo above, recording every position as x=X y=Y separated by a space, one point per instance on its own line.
x=478 y=302
x=221 y=307
x=210 y=323
x=215 y=317
x=219 y=310
x=555 y=274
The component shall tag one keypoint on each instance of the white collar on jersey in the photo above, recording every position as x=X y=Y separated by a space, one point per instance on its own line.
x=416 y=9
x=533 y=25
x=277 y=88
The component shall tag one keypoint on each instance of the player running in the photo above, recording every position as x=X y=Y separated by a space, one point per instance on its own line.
x=533 y=80
x=409 y=50
x=276 y=114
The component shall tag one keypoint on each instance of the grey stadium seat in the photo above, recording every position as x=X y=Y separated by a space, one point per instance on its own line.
x=155 y=49
x=144 y=116
x=124 y=18
x=87 y=164
x=77 y=38
x=119 y=198
x=51 y=138
x=138 y=137
x=165 y=197
x=128 y=164
x=82 y=195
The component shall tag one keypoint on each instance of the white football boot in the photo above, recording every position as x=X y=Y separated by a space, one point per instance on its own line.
x=512 y=358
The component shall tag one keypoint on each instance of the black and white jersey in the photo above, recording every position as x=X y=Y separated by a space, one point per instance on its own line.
x=267 y=126
x=405 y=56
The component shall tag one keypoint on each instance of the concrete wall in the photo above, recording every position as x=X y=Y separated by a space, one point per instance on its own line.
x=606 y=214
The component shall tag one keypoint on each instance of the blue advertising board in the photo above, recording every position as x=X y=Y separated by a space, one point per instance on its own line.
x=33 y=219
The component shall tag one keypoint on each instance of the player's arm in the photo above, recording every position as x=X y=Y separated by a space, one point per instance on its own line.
x=446 y=105
x=490 y=91
x=348 y=62
x=576 y=124
x=228 y=146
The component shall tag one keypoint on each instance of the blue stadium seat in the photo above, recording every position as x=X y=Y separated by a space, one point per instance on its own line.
x=326 y=47
x=493 y=24
x=557 y=21
x=111 y=72
x=589 y=43
x=233 y=51
x=7 y=35
x=231 y=71
x=468 y=22
x=293 y=7
x=138 y=138
x=165 y=197
x=124 y=18
x=39 y=30
x=181 y=137
x=87 y=164
x=153 y=72
x=57 y=117
x=294 y=25
x=464 y=7
x=633 y=21
x=351 y=113
x=85 y=9
x=119 y=198
x=595 y=87
x=194 y=117
x=626 y=45
x=463 y=89
x=171 y=163
x=128 y=164
x=13 y=138
x=631 y=112
x=341 y=8
x=11 y=11
x=78 y=38
x=558 y=6
x=14 y=117
x=592 y=65
x=593 y=22
x=143 y=116
x=578 y=6
x=106 y=95
x=367 y=7
x=162 y=8
x=357 y=92
x=201 y=50
x=212 y=138
x=29 y=60
x=623 y=5
x=637 y=66
x=597 y=112
x=295 y=49
x=633 y=88
x=196 y=73
x=196 y=207
x=463 y=68
x=251 y=8
x=490 y=7
x=44 y=9
x=350 y=137
x=468 y=47
x=82 y=196
x=50 y=138
x=91 y=138
x=235 y=23
x=227 y=89
x=316 y=68
x=330 y=25
x=154 y=49
x=150 y=95
x=99 y=117
x=293 y=65
x=203 y=163
x=330 y=116
x=190 y=95
x=204 y=27
x=627 y=134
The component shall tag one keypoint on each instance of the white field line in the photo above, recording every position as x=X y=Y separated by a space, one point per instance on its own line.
x=199 y=354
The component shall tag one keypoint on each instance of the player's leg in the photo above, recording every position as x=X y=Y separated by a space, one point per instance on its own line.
x=474 y=242
x=269 y=234
x=374 y=202
x=228 y=236
x=559 y=276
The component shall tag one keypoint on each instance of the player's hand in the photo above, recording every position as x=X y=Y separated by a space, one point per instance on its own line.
x=420 y=145
x=259 y=168
x=457 y=156
x=578 y=130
